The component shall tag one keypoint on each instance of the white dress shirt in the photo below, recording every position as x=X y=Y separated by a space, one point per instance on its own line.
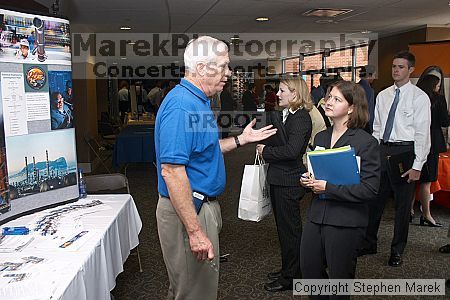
x=412 y=119
x=286 y=112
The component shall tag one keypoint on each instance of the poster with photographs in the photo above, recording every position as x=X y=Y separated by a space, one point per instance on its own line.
x=38 y=164
x=50 y=164
x=27 y=38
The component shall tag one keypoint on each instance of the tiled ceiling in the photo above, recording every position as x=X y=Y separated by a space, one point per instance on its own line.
x=238 y=16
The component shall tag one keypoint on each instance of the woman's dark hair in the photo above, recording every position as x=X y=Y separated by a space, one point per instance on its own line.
x=433 y=70
x=328 y=81
x=355 y=95
x=428 y=84
x=123 y=84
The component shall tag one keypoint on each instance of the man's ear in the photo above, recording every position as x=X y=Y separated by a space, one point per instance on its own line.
x=411 y=70
x=201 y=69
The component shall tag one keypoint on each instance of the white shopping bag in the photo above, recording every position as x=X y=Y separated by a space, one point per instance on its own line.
x=254 y=201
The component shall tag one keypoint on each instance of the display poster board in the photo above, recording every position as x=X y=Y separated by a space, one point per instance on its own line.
x=38 y=163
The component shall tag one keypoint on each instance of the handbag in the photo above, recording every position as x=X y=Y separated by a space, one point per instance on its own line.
x=254 y=200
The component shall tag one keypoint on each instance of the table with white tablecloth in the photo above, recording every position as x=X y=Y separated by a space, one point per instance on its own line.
x=86 y=269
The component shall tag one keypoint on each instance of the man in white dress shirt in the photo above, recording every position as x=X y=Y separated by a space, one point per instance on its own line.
x=401 y=125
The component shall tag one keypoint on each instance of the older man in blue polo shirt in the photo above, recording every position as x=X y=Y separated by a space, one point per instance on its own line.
x=191 y=171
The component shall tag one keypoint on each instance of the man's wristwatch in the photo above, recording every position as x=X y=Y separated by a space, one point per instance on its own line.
x=236 y=140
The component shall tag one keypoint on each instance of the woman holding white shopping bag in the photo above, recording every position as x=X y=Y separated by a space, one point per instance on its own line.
x=285 y=169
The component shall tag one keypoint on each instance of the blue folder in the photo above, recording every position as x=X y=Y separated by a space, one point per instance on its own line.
x=340 y=168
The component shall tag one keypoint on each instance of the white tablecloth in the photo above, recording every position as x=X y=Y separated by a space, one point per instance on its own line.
x=88 y=268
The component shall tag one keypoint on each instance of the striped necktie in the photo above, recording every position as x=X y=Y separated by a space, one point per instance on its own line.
x=391 y=116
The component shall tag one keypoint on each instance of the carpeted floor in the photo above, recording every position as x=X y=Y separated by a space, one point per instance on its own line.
x=254 y=249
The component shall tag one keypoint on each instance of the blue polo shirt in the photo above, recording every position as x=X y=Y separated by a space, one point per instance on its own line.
x=186 y=134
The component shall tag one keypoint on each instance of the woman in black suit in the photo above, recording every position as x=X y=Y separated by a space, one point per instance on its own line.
x=285 y=169
x=338 y=220
x=430 y=84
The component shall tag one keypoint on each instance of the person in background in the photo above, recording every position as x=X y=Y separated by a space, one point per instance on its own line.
x=143 y=96
x=248 y=103
x=437 y=71
x=248 y=98
x=226 y=110
x=191 y=171
x=60 y=113
x=154 y=97
x=170 y=85
x=338 y=219
x=318 y=93
x=318 y=124
x=402 y=126
x=124 y=99
x=430 y=84
x=285 y=169
x=270 y=100
x=367 y=76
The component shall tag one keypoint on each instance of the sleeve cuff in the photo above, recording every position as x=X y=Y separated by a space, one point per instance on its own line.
x=330 y=188
x=174 y=161
x=418 y=165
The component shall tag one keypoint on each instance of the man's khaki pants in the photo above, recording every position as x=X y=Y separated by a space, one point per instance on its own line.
x=189 y=278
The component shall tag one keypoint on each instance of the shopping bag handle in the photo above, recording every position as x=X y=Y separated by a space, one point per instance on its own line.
x=259 y=160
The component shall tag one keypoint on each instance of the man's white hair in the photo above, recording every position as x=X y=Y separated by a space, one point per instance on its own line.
x=204 y=49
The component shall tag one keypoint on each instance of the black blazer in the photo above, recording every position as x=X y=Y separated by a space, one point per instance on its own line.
x=274 y=118
x=439 y=119
x=347 y=205
x=285 y=161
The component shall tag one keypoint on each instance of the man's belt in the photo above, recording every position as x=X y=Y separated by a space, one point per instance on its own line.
x=404 y=143
x=205 y=198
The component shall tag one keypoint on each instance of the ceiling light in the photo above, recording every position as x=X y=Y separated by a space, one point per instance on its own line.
x=125 y=28
x=235 y=37
x=325 y=21
x=123 y=58
x=327 y=12
x=366 y=31
x=262 y=19
x=131 y=43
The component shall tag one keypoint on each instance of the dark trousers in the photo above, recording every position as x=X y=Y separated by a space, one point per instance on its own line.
x=124 y=106
x=286 y=209
x=333 y=247
x=403 y=195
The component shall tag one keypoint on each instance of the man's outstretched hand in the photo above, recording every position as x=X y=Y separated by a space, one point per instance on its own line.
x=250 y=135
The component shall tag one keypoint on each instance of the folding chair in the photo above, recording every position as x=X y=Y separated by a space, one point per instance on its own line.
x=99 y=151
x=107 y=184
x=107 y=131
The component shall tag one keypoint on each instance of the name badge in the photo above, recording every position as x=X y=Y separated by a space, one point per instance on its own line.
x=198 y=196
